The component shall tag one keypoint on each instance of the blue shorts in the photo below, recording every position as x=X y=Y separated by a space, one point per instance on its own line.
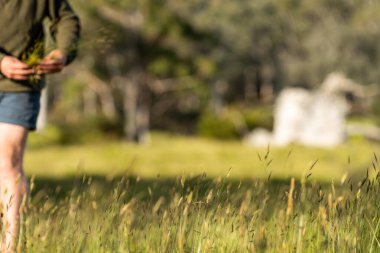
x=20 y=108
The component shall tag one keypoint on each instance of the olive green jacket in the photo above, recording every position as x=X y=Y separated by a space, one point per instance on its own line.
x=22 y=33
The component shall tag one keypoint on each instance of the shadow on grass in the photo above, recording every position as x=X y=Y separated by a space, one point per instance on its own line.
x=152 y=189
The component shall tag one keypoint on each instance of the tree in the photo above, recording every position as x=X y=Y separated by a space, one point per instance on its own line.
x=162 y=63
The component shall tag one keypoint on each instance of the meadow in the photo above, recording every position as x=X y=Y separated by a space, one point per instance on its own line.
x=183 y=194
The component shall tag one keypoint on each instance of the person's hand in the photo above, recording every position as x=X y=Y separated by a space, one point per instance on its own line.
x=54 y=62
x=13 y=68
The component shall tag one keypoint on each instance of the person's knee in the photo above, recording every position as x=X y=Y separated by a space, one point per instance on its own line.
x=11 y=159
x=12 y=174
x=10 y=167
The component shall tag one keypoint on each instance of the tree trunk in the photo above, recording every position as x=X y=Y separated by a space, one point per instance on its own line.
x=142 y=122
x=42 y=116
x=136 y=110
x=89 y=102
x=258 y=83
x=102 y=90
x=130 y=110
x=217 y=100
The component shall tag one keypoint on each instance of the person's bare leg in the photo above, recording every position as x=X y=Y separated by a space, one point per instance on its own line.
x=13 y=184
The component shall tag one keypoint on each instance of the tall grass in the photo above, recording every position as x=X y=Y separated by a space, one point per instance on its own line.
x=273 y=212
x=200 y=214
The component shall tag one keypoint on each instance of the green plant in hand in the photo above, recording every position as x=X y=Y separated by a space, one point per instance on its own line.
x=33 y=57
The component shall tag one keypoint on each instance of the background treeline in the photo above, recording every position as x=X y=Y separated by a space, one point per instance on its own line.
x=206 y=66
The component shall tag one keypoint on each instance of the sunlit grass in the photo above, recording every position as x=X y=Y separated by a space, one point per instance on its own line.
x=169 y=155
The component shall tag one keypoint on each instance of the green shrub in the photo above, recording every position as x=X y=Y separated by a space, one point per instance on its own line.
x=89 y=130
x=50 y=135
x=259 y=117
x=229 y=124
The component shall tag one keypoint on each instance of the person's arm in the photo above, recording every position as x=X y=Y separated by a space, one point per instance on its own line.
x=65 y=28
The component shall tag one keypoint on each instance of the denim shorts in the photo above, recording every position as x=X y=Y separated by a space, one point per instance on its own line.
x=20 y=108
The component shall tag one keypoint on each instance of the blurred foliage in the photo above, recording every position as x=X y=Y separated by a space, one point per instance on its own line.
x=259 y=117
x=229 y=124
x=176 y=51
x=89 y=130
x=234 y=122
x=50 y=136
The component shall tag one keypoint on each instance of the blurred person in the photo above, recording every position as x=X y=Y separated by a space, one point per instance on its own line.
x=23 y=66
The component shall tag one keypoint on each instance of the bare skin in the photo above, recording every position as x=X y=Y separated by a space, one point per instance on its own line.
x=13 y=184
x=13 y=68
x=14 y=188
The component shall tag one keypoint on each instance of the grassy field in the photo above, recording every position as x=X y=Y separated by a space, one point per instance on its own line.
x=169 y=155
x=182 y=194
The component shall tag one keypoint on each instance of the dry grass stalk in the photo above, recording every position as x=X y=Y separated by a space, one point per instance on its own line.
x=289 y=209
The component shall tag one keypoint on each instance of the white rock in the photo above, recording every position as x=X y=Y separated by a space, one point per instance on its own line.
x=313 y=118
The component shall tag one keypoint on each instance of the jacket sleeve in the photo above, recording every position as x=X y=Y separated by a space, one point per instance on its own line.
x=1 y=58
x=65 y=27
